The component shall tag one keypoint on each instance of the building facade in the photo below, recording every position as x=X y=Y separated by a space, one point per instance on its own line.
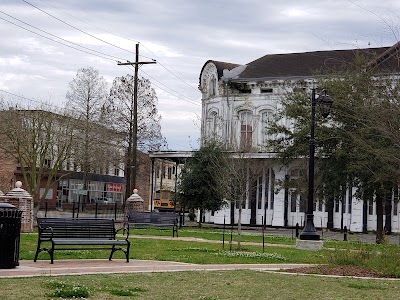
x=104 y=179
x=238 y=103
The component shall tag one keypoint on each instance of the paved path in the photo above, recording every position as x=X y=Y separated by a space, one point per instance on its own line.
x=102 y=266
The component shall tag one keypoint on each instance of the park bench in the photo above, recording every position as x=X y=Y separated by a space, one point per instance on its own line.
x=157 y=219
x=68 y=234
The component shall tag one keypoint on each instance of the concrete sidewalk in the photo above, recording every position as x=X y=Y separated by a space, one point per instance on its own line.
x=102 y=266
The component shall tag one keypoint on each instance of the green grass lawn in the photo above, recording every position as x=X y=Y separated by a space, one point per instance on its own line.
x=213 y=285
x=182 y=251
x=383 y=259
x=198 y=285
x=218 y=235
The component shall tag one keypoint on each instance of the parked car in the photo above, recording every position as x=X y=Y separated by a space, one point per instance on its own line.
x=103 y=200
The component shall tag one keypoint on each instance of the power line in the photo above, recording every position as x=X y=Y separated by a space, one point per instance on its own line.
x=102 y=55
x=87 y=23
x=76 y=28
x=168 y=92
x=46 y=37
x=33 y=100
x=182 y=97
x=120 y=36
x=58 y=36
x=170 y=70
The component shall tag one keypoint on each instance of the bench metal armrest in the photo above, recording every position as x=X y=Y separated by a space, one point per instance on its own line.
x=124 y=229
x=46 y=228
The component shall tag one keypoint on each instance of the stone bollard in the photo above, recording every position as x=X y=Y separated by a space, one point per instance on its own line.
x=134 y=203
x=23 y=201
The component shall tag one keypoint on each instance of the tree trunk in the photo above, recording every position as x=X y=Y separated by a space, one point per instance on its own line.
x=201 y=218
x=239 y=226
x=379 y=218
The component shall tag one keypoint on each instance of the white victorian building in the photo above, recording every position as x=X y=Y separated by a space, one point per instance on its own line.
x=237 y=104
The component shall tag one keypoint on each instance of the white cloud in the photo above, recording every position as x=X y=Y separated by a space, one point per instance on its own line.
x=181 y=35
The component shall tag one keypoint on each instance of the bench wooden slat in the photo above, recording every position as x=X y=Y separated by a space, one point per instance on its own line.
x=156 y=219
x=65 y=231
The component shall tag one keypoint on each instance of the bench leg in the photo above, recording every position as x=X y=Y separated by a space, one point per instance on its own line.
x=51 y=252
x=112 y=252
x=175 y=230
x=127 y=252
x=37 y=252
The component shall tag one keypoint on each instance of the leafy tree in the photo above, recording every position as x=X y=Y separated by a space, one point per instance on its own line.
x=201 y=183
x=356 y=145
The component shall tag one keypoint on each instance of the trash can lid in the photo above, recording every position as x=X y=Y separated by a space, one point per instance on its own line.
x=7 y=205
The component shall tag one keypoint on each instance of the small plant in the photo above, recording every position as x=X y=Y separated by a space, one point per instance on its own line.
x=356 y=257
x=191 y=215
x=244 y=254
x=64 y=290
x=128 y=292
x=365 y=287
x=121 y=293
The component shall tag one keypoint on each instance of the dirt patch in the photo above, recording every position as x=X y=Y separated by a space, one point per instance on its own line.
x=338 y=271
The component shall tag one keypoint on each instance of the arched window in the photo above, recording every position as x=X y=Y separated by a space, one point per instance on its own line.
x=213 y=124
x=266 y=118
x=246 y=130
x=212 y=86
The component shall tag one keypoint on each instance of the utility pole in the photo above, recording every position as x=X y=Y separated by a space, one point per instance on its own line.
x=131 y=169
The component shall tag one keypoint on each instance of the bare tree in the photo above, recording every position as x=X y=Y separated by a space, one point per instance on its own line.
x=147 y=135
x=39 y=142
x=87 y=97
x=241 y=171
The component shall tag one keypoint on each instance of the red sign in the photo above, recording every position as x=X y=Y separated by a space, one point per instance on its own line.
x=116 y=187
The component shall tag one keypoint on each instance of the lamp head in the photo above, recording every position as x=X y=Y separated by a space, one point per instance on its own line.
x=325 y=103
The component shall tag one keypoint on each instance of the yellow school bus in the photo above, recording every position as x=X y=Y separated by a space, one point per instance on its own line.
x=163 y=200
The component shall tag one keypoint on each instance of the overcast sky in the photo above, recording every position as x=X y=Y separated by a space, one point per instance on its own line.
x=181 y=35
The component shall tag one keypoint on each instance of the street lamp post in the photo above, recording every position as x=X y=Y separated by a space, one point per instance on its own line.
x=325 y=103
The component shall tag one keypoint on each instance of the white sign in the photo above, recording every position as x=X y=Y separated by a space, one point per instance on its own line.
x=81 y=192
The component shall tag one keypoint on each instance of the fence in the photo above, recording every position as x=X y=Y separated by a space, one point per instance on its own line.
x=85 y=210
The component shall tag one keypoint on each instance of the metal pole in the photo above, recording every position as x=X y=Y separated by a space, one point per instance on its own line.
x=322 y=229
x=230 y=243
x=263 y=228
x=309 y=232
x=223 y=235
x=152 y=185
x=133 y=173
x=135 y=96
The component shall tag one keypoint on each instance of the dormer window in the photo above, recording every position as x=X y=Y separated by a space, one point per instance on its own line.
x=266 y=91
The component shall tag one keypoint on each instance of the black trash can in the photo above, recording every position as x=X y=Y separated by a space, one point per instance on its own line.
x=10 y=229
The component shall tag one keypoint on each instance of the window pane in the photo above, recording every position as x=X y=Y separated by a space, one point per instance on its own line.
x=293 y=202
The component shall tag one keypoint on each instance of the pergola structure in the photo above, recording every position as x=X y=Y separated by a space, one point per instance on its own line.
x=177 y=157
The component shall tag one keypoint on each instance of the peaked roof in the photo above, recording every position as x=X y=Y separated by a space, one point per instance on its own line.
x=311 y=63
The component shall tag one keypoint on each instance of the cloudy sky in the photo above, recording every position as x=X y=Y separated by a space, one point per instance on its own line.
x=180 y=34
